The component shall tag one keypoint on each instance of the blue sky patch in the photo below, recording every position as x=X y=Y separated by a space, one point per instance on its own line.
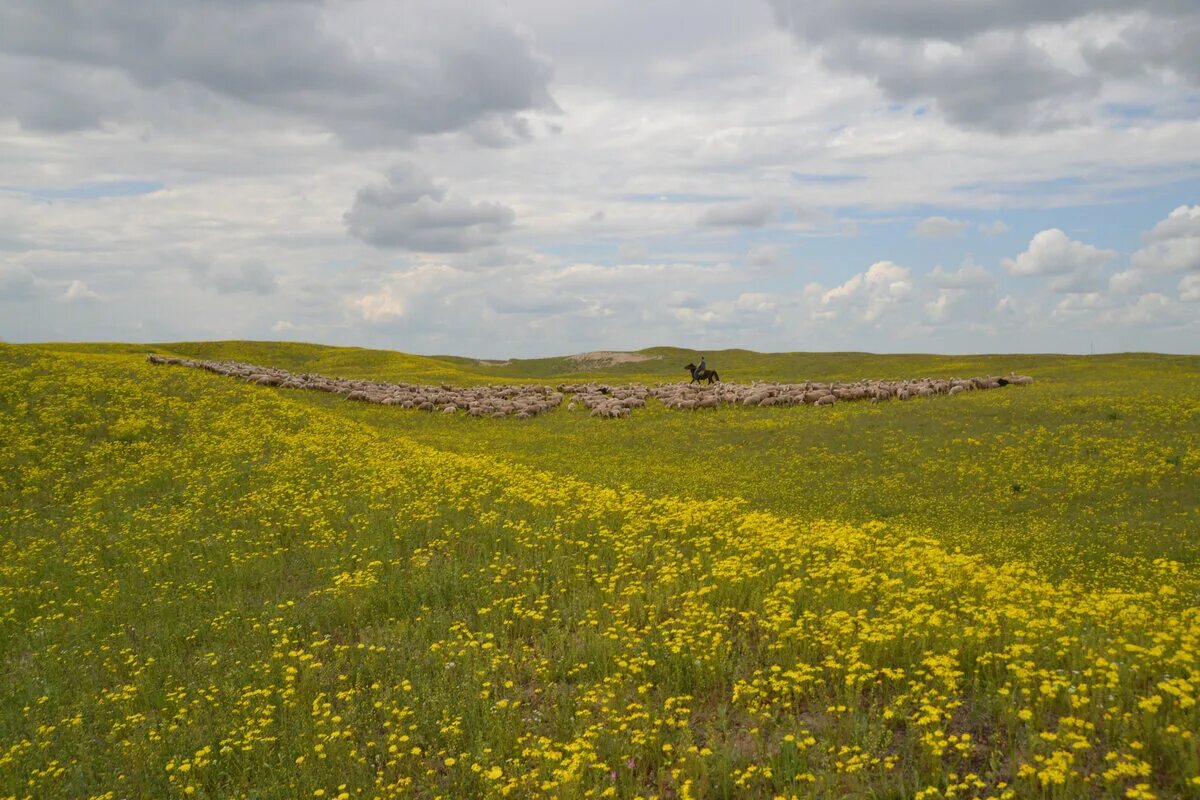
x=826 y=177
x=93 y=191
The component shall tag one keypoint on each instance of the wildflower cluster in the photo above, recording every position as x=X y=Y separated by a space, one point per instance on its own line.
x=208 y=590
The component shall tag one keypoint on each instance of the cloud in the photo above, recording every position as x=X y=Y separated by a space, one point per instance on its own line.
x=1189 y=289
x=230 y=278
x=1150 y=43
x=1126 y=282
x=869 y=294
x=282 y=326
x=632 y=251
x=410 y=212
x=262 y=161
x=379 y=306
x=1075 y=266
x=370 y=71
x=1153 y=308
x=78 y=292
x=683 y=299
x=1002 y=68
x=16 y=283
x=1174 y=243
x=968 y=276
x=765 y=255
x=750 y=214
x=1081 y=304
x=937 y=310
x=539 y=303
x=48 y=97
x=993 y=228
x=940 y=228
x=747 y=311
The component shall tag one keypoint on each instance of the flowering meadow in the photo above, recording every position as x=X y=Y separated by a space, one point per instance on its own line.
x=211 y=589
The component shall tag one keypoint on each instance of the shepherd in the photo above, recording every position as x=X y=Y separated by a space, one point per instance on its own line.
x=702 y=373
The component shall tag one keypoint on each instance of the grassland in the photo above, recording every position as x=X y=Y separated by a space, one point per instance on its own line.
x=213 y=589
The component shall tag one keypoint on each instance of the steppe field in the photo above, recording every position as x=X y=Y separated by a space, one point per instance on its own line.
x=216 y=589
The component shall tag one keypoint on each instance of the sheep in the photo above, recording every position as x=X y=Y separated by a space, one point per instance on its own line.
x=602 y=400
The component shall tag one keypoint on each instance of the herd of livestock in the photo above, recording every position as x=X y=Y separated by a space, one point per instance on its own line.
x=602 y=400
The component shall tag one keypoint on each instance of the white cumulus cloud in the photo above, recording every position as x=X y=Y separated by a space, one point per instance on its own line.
x=381 y=305
x=1075 y=266
x=1174 y=243
x=78 y=291
x=869 y=294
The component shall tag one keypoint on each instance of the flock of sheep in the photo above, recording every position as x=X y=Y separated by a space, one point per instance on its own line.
x=521 y=402
x=602 y=400
x=692 y=396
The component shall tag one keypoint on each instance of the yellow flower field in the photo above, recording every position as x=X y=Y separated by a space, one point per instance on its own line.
x=210 y=589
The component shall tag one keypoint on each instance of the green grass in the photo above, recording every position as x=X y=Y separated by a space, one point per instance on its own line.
x=1086 y=474
x=255 y=592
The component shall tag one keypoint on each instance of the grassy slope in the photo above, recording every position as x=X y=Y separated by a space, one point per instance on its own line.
x=666 y=363
x=1089 y=473
x=255 y=592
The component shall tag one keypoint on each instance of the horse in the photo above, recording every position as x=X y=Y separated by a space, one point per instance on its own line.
x=702 y=375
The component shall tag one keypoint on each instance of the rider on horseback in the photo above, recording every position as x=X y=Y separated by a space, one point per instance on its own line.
x=703 y=368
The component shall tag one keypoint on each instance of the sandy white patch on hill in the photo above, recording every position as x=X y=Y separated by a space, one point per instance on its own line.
x=609 y=358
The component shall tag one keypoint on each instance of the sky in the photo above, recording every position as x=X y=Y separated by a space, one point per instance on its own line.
x=536 y=177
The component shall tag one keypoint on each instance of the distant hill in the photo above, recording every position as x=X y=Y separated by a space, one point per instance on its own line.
x=652 y=364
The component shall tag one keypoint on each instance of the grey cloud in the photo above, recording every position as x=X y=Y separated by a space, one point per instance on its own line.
x=1150 y=43
x=949 y=20
x=751 y=214
x=765 y=255
x=16 y=283
x=45 y=97
x=632 y=251
x=410 y=212
x=977 y=61
x=683 y=299
x=500 y=131
x=225 y=278
x=1000 y=82
x=521 y=301
x=372 y=72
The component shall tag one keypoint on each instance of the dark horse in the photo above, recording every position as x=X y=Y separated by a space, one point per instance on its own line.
x=702 y=375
